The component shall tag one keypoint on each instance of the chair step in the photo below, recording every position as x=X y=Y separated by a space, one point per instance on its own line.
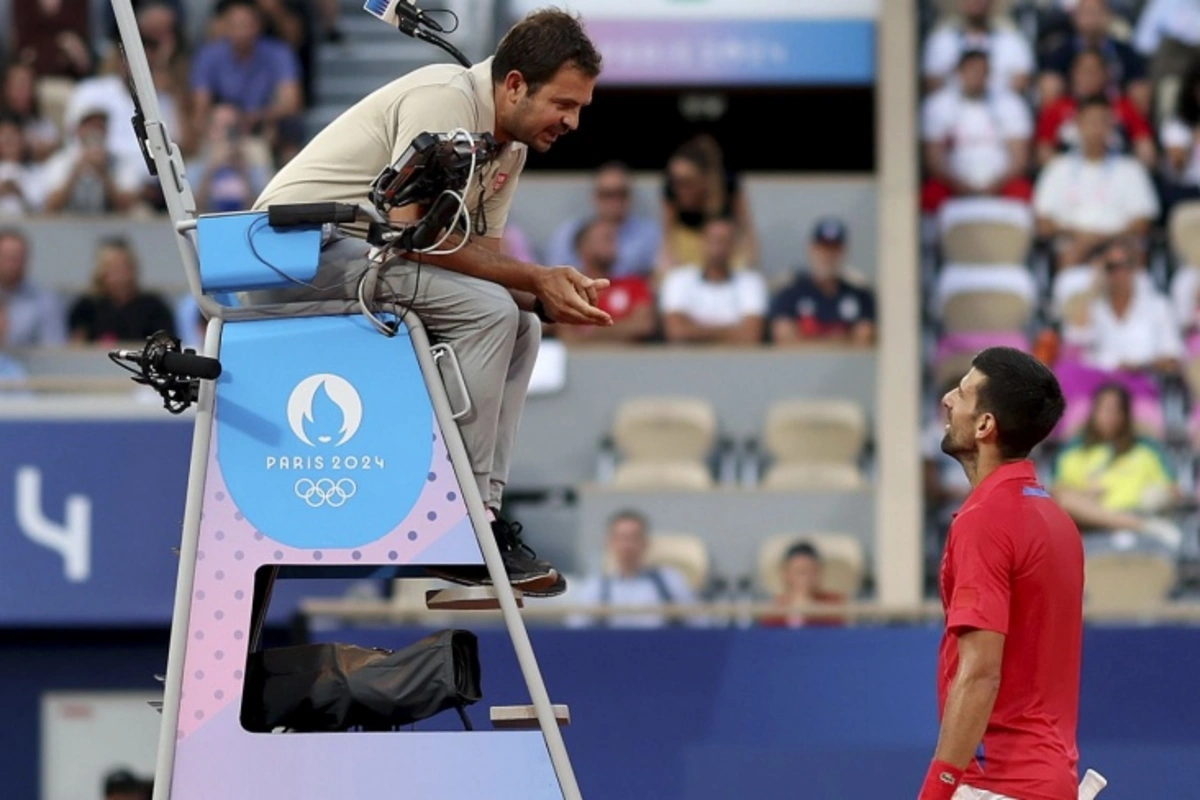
x=525 y=717
x=466 y=598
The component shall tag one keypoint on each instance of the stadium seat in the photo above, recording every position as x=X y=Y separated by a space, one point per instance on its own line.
x=985 y=231
x=683 y=551
x=1184 y=232
x=844 y=561
x=53 y=95
x=1127 y=581
x=664 y=442
x=659 y=475
x=990 y=312
x=815 y=431
x=804 y=476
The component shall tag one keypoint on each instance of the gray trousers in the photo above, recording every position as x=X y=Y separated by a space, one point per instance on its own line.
x=495 y=342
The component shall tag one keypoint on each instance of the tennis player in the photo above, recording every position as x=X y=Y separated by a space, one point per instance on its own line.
x=1012 y=590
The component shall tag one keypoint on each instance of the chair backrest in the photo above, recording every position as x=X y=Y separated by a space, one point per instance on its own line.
x=985 y=311
x=685 y=552
x=815 y=431
x=800 y=476
x=986 y=242
x=842 y=557
x=658 y=475
x=665 y=429
x=1127 y=581
x=1184 y=227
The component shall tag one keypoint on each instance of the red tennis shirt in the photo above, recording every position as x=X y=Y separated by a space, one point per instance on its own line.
x=1014 y=565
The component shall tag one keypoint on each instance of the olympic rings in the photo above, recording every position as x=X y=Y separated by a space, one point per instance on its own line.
x=325 y=491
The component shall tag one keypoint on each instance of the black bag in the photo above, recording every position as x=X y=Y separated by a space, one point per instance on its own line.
x=336 y=687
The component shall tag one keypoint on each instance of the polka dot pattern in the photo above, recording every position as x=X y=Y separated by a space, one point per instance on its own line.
x=232 y=549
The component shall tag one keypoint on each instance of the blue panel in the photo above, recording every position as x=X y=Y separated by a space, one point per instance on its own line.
x=324 y=429
x=241 y=251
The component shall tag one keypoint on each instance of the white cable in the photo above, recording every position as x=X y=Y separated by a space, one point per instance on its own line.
x=462 y=212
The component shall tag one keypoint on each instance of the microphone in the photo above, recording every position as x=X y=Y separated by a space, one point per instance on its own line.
x=404 y=14
x=173 y=373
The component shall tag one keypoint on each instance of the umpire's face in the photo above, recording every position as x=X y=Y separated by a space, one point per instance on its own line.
x=537 y=117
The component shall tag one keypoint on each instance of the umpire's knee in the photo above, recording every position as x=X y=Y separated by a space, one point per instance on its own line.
x=498 y=313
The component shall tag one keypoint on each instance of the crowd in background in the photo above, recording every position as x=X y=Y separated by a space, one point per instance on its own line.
x=1085 y=116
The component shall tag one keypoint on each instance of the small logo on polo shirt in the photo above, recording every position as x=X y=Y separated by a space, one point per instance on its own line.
x=501 y=179
x=946 y=777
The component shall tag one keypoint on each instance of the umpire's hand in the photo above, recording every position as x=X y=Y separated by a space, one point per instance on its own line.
x=570 y=297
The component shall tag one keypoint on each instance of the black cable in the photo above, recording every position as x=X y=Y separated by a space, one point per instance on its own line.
x=453 y=16
x=257 y=226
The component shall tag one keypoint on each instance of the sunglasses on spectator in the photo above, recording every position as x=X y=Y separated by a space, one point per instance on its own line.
x=613 y=192
x=1119 y=263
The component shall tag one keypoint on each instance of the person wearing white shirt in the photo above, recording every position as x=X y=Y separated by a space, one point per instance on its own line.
x=1082 y=199
x=630 y=581
x=1011 y=55
x=1132 y=327
x=713 y=303
x=20 y=184
x=1168 y=33
x=976 y=140
x=85 y=177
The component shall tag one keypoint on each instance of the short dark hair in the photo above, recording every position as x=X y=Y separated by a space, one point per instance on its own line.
x=973 y=53
x=541 y=44
x=1022 y=394
x=804 y=549
x=630 y=514
x=613 y=166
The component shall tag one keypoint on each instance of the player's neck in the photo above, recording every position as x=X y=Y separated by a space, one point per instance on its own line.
x=983 y=464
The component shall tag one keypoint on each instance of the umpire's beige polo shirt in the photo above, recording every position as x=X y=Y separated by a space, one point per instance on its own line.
x=342 y=161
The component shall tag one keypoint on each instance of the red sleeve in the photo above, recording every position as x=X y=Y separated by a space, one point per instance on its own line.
x=982 y=565
x=1136 y=125
x=1048 y=123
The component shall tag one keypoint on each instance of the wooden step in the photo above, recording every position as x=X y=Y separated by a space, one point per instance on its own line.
x=467 y=598
x=525 y=717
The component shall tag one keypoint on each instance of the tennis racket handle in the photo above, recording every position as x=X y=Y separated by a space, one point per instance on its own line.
x=1091 y=785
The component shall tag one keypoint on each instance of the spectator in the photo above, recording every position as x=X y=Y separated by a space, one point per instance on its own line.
x=638 y=238
x=699 y=187
x=226 y=174
x=1110 y=479
x=1128 y=335
x=124 y=785
x=628 y=299
x=10 y=368
x=170 y=66
x=1083 y=198
x=35 y=315
x=20 y=181
x=802 y=569
x=86 y=177
x=1057 y=130
x=1168 y=33
x=1126 y=69
x=20 y=100
x=1181 y=142
x=109 y=90
x=260 y=75
x=821 y=305
x=711 y=303
x=118 y=310
x=976 y=140
x=630 y=581
x=978 y=28
x=178 y=10
x=52 y=37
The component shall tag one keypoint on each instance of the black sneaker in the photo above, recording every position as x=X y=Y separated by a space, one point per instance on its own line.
x=520 y=562
x=548 y=589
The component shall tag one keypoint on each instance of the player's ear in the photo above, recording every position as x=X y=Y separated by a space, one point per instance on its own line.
x=985 y=426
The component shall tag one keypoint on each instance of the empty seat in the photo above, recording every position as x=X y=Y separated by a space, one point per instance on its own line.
x=842 y=558
x=658 y=475
x=1127 y=581
x=986 y=311
x=816 y=431
x=803 y=476
x=685 y=552
x=985 y=230
x=664 y=442
x=1184 y=230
